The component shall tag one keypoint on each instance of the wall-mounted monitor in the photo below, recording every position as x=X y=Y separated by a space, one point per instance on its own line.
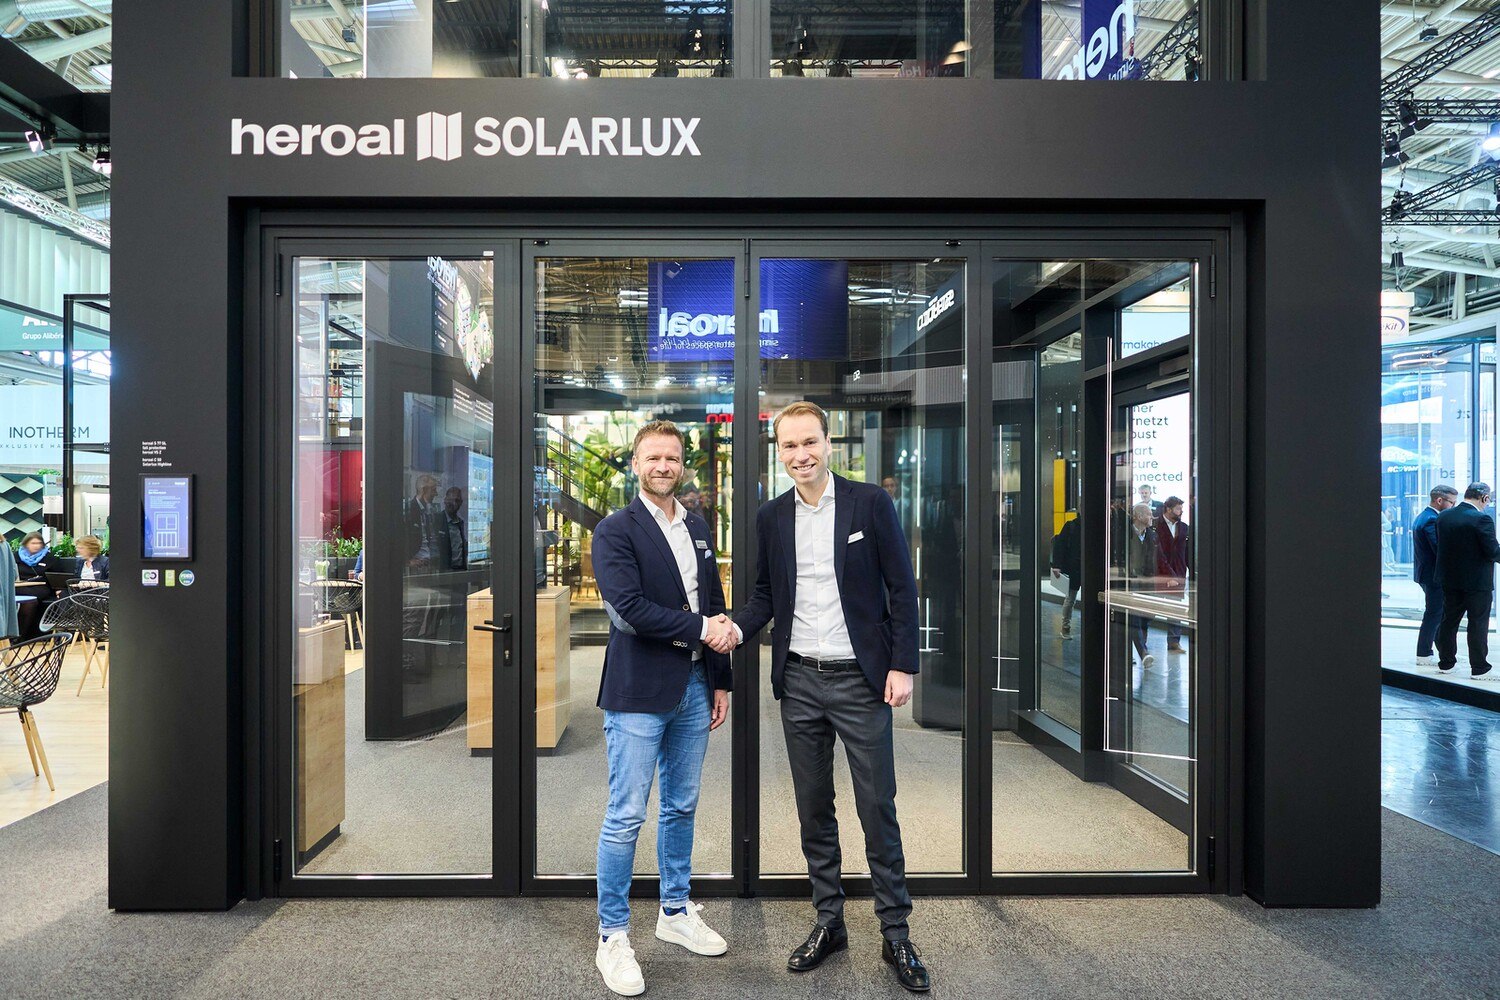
x=167 y=518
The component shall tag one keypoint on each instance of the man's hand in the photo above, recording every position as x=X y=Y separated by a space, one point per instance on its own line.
x=720 y=710
x=897 y=688
x=722 y=637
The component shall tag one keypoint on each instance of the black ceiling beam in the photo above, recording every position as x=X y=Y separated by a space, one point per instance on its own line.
x=1452 y=217
x=1404 y=204
x=33 y=93
x=1446 y=109
x=1443 y=53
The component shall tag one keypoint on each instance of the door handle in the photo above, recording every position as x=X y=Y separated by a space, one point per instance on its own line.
x=505 y=629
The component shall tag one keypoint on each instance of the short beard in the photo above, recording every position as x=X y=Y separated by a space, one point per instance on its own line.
x=671 y=491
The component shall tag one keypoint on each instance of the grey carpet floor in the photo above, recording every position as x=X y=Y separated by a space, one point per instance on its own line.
x=424 y=805
x=1434 y=935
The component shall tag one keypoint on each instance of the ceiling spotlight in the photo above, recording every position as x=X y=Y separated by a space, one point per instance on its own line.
x=693 y=40
x=349 y=35
x=1491 y=142
x=1393 y=155
x=1398 y=260
x=101 y=161
x=40 y=138
x=1406 y=114
x=1428 y=33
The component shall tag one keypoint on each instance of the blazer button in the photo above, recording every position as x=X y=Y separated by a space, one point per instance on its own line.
x=686 y=607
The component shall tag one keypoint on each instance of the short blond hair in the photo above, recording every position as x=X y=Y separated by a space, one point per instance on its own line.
x=90 y=542
x=801 y=408
x=658 y=428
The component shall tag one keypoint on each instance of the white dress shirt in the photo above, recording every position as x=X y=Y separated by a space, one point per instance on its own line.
x=818 y=626
x=675 y=530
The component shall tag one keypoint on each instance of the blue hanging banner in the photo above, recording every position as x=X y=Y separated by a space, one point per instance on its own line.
x=804 y=312
x=1106 y=43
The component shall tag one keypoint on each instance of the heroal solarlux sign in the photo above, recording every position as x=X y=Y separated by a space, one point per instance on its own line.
x=439 y=136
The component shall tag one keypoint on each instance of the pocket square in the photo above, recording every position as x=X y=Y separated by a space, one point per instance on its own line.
x=708 y=553
x=856 y=536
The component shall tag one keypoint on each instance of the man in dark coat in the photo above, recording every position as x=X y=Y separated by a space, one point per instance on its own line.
x=1466 y=555
x=1424 y=567
x=1174 y=558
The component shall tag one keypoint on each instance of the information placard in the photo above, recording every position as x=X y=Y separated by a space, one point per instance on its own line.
x=167 y=517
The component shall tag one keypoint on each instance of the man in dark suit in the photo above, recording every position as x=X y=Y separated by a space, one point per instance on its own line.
x=665 y=687
x=835 y=574
x=1174 y=559
x=1424 y=567
x=1466 y=555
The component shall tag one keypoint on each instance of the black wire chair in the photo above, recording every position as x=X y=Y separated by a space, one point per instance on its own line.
x=344 y=599
x=84 y=616
x=28 y=676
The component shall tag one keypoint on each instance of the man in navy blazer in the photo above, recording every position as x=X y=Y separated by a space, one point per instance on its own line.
x=1424 y=567
x=1466 y=555
x=665 y=686
x=835 y=574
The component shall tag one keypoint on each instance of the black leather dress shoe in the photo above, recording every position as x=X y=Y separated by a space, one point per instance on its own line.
x=822 y=942
x=909 y=968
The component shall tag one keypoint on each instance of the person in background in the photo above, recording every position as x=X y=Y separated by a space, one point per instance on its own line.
x=10 y=609
x=1424 y=567
x=1140 y=567
x=421 y=517
x=359 y=567
x=1466 y=555
x=453 y=539
x=93 y=564
x=1145 y=498
x=1067 y=560
x=1174 y=548
x=34 y=559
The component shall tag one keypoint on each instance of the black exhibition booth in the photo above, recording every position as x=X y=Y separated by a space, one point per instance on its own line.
x=344 y=306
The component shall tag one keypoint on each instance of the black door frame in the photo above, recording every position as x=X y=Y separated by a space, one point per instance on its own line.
x=271 y=238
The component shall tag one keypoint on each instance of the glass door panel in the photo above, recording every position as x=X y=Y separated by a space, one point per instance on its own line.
x=1091 y=766
x=620 y=341
x=879 y=344
x=392 y=506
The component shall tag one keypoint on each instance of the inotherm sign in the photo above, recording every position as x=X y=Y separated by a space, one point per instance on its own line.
x=804 y=312
x=443 y=136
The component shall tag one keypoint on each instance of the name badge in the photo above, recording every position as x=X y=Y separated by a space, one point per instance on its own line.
x=700 y=543
x=856 y=536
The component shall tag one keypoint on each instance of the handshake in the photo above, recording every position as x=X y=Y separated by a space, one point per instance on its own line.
x=722 y=635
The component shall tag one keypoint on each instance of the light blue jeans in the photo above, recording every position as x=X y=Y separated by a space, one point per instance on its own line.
x=639 y=743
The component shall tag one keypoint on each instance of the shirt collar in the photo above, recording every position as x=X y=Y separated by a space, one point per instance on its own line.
x=679 y=512
x=825 y=498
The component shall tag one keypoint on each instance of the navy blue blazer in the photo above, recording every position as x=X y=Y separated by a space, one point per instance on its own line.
x=653 y=632
x=877 y=588
x=1424 y=547
x=1467 y=550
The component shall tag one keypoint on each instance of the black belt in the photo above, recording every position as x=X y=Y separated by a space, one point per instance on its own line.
x=823 y=666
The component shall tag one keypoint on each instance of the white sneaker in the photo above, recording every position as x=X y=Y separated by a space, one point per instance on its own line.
x=689 y=930
x=1065 y=632
x=1148 y=662
x=616 y=961
x=1426 y=661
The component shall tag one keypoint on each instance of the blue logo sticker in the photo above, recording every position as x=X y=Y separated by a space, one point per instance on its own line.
x=186 y=578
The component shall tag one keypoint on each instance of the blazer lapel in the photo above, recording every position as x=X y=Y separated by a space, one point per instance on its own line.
x=843 y=519
x=786 y=526
x=699 y=532
x=647 y=521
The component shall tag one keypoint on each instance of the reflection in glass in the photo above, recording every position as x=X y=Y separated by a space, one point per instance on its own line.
x=1427 y=437
x=904 y=39
x=571 y=39
x=394 y=416
x=1058 y=448
x=620 y=341
x=1098 y=40
x=879 y=345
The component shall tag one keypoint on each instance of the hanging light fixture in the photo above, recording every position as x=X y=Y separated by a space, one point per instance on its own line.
x=1491 y=142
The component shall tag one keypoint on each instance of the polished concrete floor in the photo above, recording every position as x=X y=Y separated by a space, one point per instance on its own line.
x=1441 y=765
